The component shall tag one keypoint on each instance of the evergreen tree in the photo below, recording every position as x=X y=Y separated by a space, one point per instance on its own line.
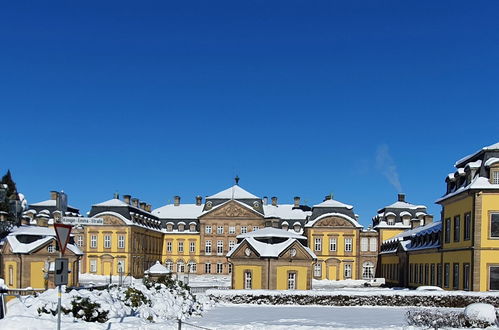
x=5 y=203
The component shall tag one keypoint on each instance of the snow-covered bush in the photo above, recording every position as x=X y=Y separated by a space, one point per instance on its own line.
x=154 y=301
x=480 y=312
x=439 y=319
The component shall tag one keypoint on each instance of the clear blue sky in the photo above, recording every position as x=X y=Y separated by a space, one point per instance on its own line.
x=156 y=99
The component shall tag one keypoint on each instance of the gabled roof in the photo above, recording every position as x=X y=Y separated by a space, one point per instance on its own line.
x=45 y=234
x=181 y=211
x=229 y=201
x=494 y=146
x=112 y=202
x=267 y=250
x=49 y=203
x=333 y=203
x=234 y=192
x=402 y=205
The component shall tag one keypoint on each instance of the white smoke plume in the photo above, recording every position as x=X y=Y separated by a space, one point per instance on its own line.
x=386 y=164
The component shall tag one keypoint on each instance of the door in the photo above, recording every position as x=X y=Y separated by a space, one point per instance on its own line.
x=332 y=273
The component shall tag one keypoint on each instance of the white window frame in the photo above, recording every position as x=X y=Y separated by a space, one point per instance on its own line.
x=333 y=243
x=180 y=266
x=51 y=248
x=494 y=176
x=317 y=244
x=192 y=247
x=244 y=229
x=373 y=244
x=121 y=241
x=347 y=271
x=121 y=266
x=207 y=229
x=367 y=270
x=317 y=269
x=232 y=243
x=107 y=241
x=220 y=247
x=256 y=228
x=348 y=244
x=79 y=241
x=192 y=267
x=220 y=230
x=207 y=247
x=232 y=229
x=93 y=241
x=180 y=246
x=93 y=265
x=207 y=268
x=247 y=280
x=220 y=268
x=169 y=246
x=292 y=281
x=169 y=265
x=364 y=244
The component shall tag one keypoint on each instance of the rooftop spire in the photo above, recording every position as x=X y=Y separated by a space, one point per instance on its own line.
x=237 y=180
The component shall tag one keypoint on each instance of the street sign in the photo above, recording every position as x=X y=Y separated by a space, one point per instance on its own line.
x=82 y=221
x=62 y=202
x=61 y=271
x=62 y=231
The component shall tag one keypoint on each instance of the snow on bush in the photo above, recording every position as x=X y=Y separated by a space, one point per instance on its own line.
x=154 y=301
x=481 y=312
x=439 y=319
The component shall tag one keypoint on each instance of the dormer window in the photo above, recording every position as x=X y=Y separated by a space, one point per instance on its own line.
x=390 y=221
x=181 y=227
x=192 y=227
x=494 y=176
x=51 y=248
x=169 y=227
x=297 y=227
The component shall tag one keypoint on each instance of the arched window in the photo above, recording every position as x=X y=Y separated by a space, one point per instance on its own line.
x=367 y=270
x=192 y=267
x=317 y=270
x=180 y=266
x=169 y=265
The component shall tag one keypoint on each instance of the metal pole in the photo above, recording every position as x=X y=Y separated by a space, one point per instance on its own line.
x=179 y=324
x=59 y=294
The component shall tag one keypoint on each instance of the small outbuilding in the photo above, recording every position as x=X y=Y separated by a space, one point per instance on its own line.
x=157 y=270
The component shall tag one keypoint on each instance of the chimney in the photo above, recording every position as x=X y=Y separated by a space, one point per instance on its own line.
x=126 y=199
x=415 y=223
x=401 y=197
x=199 y=200
x=116 y=196
x=274 y=201
x=135 y=202
x=176 y=200
x=143 y=205
x=26 y=220
x=428 y=219
x=42 y=220
x=297 y=201
x=53 y=195
x=265 y=200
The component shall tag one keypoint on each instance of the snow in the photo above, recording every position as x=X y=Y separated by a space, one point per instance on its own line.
x=333 y=203
x=475 y=164
x=491 y=161
x=234 y=192
x=429 y=288
x=482 y=312
x=285 y=211
x=404 y=205
x=157 y=268
x=181 y=211
x=48 y=234
x=112 y=203
x=49 y=202
x=494 y=146
x=271 y=232
x=333 y=214
x=478 y=182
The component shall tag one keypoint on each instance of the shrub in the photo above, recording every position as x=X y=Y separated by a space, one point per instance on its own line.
x=439 y=319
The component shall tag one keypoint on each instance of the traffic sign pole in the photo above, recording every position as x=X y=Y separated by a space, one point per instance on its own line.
x=62 y=233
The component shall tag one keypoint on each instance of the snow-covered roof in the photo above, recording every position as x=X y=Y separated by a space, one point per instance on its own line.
x=234 y=192
x=491 y=161
x=46 y=235
x=112 y=202
x=285 y=211
x=478 y=182
x=268 y=232
x=333 y=214
x=475 y=164
x=403 y=205
x=396 y=225
x=333 y=203
x=49 y=202
x=494 y=146
x=267 y=250
x=229 y=201
x=421 y=230
x=181 y=211
x=157 y=268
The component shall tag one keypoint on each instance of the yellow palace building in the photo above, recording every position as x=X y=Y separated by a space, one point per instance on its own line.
x=460 y=252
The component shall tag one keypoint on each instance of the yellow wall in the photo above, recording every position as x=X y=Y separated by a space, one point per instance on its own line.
x=490 y=202
x=487 y=258
x=389 y=233
x=186 y=256
x=423 y=258
x=460 y=257
x=37 y=280
x=301 y=277
x=239 y=276
x=460 y=207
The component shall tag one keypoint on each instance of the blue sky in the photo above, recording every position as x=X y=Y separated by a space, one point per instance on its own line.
x=156 y=99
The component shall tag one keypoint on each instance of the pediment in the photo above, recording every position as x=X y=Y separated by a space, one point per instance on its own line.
x=240 y=253
x=333 y=221
x=232 y=209
x=109 y=219
x=301 y=253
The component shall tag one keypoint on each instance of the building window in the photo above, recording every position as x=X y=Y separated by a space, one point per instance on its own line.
x=348 y=245
x=364 y=244
x=373 y=244
x=220 y=247
x=121 y=266
x=169 y=265
x=192 y=267
x=244 y=229
x=416 y=273
x=169 y=246
x=390 y=220
x=93 y=266
x=367 y=270
x=207 y=247
x=447 y=230
x=232 y=244
x=220 y=230
x=332 y=244
x=79 y=241
x=11 y=276
x=180 y=266
x=495 y=176
x=439 y=275
x=446 y=275
x=457 y=228
x=317 y=270
x=181 y=227
x=421 y=274
x=455 y=277
x=347 y=270
x=180 y=247
x=318 y=244
x=255 y=228
x=432 y=274
x=207 y=230
x=467 y=226
x=192 y=227
x=494 y=225
x=494 y=277
x=411 y=272
x=121 y=241
x=291 y=281
x=93 y=241
x=192 y=247
x=51 y=248
x=426 y=274
x=107 y=241
x=207 y=268
x=220 y=268
x=229 y=268
x=466 y=276
x=232 y=229
x=247 y=280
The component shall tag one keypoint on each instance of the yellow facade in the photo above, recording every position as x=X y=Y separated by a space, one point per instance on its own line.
x=180 y=244
x=490 y=204
x=301 y=277
x=256 y=273
x=387 y=233
x=459 y=208
x=37 y=275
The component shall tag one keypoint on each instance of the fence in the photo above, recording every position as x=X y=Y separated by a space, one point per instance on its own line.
x=203 y=289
